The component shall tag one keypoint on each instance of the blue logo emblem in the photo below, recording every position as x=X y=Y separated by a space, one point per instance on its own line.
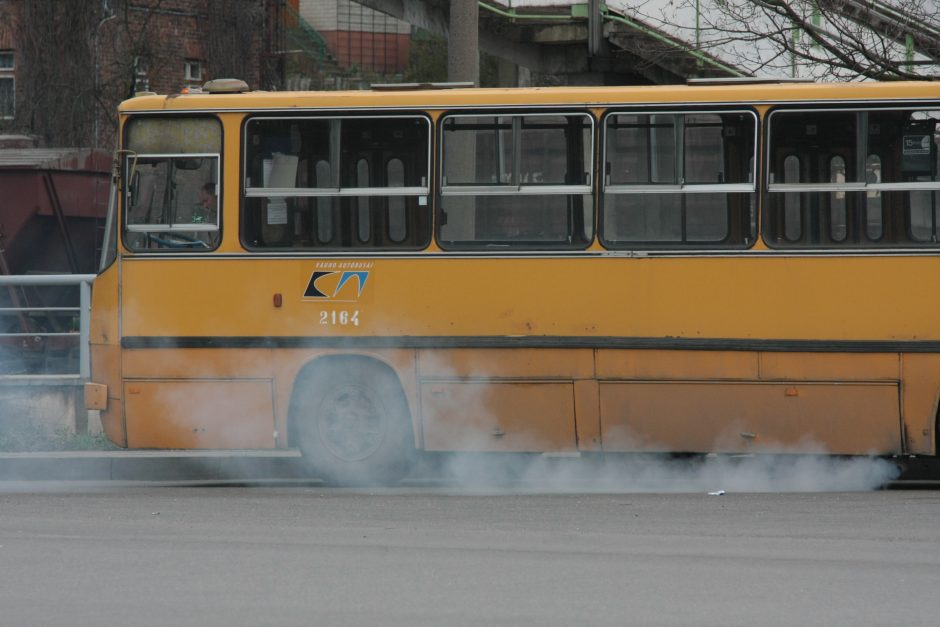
x=339 y=286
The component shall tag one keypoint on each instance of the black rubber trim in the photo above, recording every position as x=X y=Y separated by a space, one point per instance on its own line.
x=499 y=341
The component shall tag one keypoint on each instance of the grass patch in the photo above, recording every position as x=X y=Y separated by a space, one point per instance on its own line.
x=28 y=437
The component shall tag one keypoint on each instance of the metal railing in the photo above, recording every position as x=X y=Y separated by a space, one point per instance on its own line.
x=30 y=337
x=301 y=34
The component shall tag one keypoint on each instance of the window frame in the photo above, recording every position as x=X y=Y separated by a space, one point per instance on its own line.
x=769 y=188
x=681 y=187
x=130 y=156
x=130 y=164
x=188 y=65
x=336 y=191
x=9 y=74
x=517 y=187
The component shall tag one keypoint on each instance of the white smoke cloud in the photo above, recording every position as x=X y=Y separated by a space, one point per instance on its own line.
x=637 y=473
x=804 y=466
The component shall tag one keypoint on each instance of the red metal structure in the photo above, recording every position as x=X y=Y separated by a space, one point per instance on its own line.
x=53 y=203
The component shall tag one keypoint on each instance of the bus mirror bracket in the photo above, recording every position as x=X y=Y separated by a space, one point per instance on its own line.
x=132 y=176
x=133 y=187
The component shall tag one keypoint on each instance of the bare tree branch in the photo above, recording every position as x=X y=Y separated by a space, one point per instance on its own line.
x=838 y=39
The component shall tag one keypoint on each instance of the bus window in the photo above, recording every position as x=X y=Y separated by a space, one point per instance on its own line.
x=792 y=208
x=837 y=215
x=363 y=217
x=650 y=217
x=873 y=218
x=919 y=164
x=679 y=179
x=870 y=172
x=521 y=181
x=706 y=214
x=752 y=200
x=662 y=157
x=703 y=137
x=923 y=209
x=172 y=197
x=397 y=225
x=331 y=172
x=324 y=180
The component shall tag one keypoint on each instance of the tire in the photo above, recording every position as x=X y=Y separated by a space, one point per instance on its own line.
x=353 y=425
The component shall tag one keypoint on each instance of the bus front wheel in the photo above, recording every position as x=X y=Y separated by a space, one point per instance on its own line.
x=353 y=425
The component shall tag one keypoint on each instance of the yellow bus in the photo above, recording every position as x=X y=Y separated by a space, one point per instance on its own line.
x=365 y=275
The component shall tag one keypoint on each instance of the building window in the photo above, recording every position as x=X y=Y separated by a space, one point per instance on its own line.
x=141 y=73
x=192 y=71
x=7 y=85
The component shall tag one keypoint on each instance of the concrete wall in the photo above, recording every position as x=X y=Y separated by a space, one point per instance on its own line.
x=51 y=403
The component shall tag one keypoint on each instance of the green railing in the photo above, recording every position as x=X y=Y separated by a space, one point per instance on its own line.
x=302 y=35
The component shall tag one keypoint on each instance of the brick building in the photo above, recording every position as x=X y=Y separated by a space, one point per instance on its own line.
x=65 y=66
x=7 y=64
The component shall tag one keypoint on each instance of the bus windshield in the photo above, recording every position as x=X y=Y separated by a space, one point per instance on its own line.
x=172 y=192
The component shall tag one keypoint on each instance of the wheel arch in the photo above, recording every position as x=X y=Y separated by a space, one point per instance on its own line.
x=318 y=366
x=936 y=423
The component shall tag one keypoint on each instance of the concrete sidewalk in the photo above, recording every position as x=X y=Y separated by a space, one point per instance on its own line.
x=152 y=466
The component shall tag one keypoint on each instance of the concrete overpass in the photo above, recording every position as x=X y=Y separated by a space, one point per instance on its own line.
x=568 y=44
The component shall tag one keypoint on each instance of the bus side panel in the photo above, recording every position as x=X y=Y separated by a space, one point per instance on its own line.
x=921 y=392
x=836 y=418
x=587 y=415
x=105 y=351
x=676 y=364
x=498 y=416
x=200 y=414
x=199 y=398
x=198 y=363
x=519 y=400
x=491 y=363
x=106 y=369
x=830 y=366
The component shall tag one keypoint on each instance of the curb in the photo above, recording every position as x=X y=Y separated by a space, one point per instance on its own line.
x=152 y=466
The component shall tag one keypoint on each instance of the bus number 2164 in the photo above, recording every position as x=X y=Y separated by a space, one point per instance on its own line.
x=341 y=318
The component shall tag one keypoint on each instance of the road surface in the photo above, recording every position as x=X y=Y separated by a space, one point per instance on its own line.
x=131 y=554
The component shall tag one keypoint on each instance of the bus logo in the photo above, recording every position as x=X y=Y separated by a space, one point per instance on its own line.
x=345 y=286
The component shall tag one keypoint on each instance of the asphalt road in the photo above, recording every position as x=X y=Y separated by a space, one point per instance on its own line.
x=144 y=555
